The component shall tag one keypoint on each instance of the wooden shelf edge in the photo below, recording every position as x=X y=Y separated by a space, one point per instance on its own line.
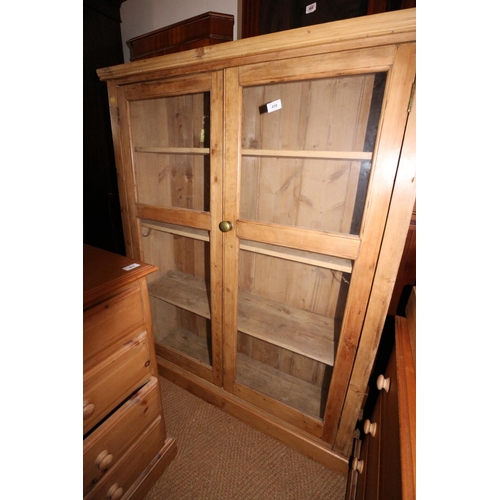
x=291 y=254
x=187 y=232
x=313 y=155
x=256 y=418
x=173 y=151
x=299 y=256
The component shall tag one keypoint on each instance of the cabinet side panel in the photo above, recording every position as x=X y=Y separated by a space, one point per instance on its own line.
x=401 y=131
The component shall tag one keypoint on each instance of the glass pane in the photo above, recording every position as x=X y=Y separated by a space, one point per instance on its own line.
x=171 y=140
x=289 y=319
x=180 y=290
x=307 y=163
x=315 y=194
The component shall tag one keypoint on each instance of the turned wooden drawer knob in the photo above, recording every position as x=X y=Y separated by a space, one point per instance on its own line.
x=370 y=428
x=115 y=492
x=88 y=409
x=103 y=460
x=383 y=383
x=357 y=465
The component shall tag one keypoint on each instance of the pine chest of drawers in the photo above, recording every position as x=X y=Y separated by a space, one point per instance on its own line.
x=125 y=444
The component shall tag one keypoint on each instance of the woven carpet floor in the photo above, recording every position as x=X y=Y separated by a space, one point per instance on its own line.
x=221 y=458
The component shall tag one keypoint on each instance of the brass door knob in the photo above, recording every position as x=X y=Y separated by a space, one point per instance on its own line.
x=225 y=226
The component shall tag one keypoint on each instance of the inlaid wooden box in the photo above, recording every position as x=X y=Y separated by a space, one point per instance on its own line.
x=206 y=29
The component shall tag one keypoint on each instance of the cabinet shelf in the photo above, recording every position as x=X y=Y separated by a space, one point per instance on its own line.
x=314 y=259
x=187 y=343
x=182 y=290
x=173 y=151
x=315 y=155
x=260 y=377
x=283 y=387
x=267 y=153
x=188 y=232
x=303 y=332
x=304 y=257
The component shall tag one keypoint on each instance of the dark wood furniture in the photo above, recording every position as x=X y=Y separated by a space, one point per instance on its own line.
x=383 y=466
x=407 y=274
x=125 y=444
x=260 y=17
x=206 y=29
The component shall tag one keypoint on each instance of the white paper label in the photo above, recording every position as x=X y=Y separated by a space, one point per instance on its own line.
x=132 y=266
x=311 y=8
x=274 y=106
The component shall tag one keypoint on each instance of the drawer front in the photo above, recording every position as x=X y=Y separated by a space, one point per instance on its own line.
x=124 y=473
x=361 y=476
x=372 y=463
x=112 y=381
x=390 y=462
x=107 y=444
x=109 y=323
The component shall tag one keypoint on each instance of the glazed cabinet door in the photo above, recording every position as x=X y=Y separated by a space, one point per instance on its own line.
x=312 y=146
x=171 y=147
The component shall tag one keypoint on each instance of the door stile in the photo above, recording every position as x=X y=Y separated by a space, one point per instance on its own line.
x=124 y=177
x=231 y=189
x=174 y=248
x=216 y=251
x=384 y=166
x=402 y=203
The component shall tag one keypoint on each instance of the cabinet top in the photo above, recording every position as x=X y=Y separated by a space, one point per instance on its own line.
x=364 y=31
x=104 y=272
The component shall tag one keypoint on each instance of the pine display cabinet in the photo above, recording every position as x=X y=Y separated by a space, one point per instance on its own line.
x=271 y=181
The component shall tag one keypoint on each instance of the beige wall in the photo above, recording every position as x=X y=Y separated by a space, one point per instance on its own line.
x=142 y=16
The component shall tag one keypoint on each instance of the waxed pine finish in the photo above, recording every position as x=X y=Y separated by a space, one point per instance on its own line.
x=125 y=443
x=262 y=177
